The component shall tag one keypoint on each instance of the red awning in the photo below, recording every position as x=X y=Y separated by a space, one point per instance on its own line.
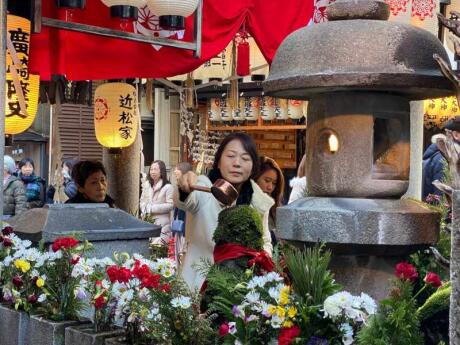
x=83 y=57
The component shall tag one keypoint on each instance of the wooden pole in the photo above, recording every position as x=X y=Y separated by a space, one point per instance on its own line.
x=3 y=36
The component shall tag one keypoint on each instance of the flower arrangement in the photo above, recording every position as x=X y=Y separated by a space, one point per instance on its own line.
x=20 y=265
x=397 y=320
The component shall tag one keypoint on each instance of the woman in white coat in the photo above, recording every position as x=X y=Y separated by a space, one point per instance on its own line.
x=237 y=162
x=157 y=200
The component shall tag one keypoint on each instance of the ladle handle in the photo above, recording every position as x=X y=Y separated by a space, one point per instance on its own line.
x=201 y=189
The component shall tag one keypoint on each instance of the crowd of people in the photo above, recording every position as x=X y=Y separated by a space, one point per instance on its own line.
x=187 y=217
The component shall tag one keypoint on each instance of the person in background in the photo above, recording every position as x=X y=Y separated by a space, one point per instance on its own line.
x=67 y=186
x=34 y=185
x=434 y=164
x=157 y=201
x=178 y=223
x=271 y=180
x=299 y=183
x=91 y=180
x=237 y=162
x=14 y=193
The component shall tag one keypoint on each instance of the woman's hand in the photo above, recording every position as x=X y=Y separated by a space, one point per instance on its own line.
x=186 y=181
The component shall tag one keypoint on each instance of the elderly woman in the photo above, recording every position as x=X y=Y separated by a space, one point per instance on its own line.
x=91 y=180
x=14 y=193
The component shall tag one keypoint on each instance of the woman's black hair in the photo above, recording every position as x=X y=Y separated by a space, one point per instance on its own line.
x=70 y=163
x=163 y=175
x=83 y=169
x=245 y=194
x=24 y=161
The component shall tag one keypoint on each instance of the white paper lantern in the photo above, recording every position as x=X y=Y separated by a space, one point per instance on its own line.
x=281 y=109
x=295 y=109
x=134 y=3
x=214 y=109
x=268 y=108
x=238 y=114
x=225 y=110
x=251 y=108
x=182 y=8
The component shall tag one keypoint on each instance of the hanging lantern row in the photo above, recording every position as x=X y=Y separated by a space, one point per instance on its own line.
x=22 y=88
x=439 y=110
x=116 y=115
x=171 y=13
x=251 y=108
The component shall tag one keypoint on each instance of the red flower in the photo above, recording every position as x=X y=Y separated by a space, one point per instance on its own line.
x=100 y=302
x=223 y=329
x=99 y=283
x=17 y=281
x=151 y=282
x=432 y=279
x=405 y=270
x=75 y=259
x=7 y=242
x=7 y=230
x=119 y=274
x=287 y=335
x=64 y=243
x=32 y=298
x=165 y=288
x=141 y=271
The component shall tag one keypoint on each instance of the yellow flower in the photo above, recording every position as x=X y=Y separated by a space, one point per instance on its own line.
x=288 y=324
x=280 y=312
x=271 y=310
x=284 y=295
x=292 y=311
x=22 y=265
x=40 y=282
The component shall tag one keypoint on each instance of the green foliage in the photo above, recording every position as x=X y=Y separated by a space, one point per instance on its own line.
x=437 y=302
x=158 y=251
x=396 y=323
x=240 y=225
x=308 y=270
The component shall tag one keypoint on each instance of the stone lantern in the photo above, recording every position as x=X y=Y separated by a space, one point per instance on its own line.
x=359 y=72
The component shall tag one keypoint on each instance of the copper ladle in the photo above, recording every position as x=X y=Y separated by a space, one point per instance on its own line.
x=222 y=190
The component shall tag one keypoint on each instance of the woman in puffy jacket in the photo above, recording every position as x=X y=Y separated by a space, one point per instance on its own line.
x=34 y=185
x=157 y=200
x=14 y=194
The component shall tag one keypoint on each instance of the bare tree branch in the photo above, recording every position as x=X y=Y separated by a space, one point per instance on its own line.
x=439 y=258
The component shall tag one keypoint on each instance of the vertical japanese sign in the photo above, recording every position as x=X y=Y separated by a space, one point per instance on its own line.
x=116 y=115
x=16 y=119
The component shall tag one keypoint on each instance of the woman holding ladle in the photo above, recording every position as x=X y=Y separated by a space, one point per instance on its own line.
x=235 y=164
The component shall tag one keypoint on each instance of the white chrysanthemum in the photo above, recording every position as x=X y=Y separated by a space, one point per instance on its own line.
x=273 y=277
x=274 y=293
x=41 y=298
x=82 y=269
x=333 y=305
x=144 y=294
x=257 y=281
x=347 y=337
x=252 y=297
x=7 y=260
x=182 y=302
x=368 y=303
x=252 y=317
x=276 y=321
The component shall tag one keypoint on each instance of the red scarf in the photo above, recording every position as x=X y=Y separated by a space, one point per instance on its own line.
x=230 y=251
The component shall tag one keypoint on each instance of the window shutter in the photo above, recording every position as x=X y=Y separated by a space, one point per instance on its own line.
x=76 y=131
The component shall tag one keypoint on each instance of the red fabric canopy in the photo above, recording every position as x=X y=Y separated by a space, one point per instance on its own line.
x=82 y=56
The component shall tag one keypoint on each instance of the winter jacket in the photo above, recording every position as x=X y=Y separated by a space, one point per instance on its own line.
x=35 y=189
x=299 y=188
x=14 y=197
x=70 y=191
x=433 y=167
x=202 y=214
x=157 y=201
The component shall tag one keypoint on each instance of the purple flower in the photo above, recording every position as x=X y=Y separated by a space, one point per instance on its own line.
x=317 y=341
x=237 y=312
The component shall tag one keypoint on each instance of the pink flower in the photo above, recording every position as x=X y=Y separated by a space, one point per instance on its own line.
x=405 y=270
x=432 y=279
x=224 y=329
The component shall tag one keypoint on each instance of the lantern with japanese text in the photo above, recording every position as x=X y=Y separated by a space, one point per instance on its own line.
x=281 y=111
x=172 y=13
x=214 y=109
x=116 y=115
x=125 y=9
x=22 y=88
x=225 y=109
x=295 y=109
x=268 y=108
x=251 y=108
x=238 y=112
x=439 y=110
